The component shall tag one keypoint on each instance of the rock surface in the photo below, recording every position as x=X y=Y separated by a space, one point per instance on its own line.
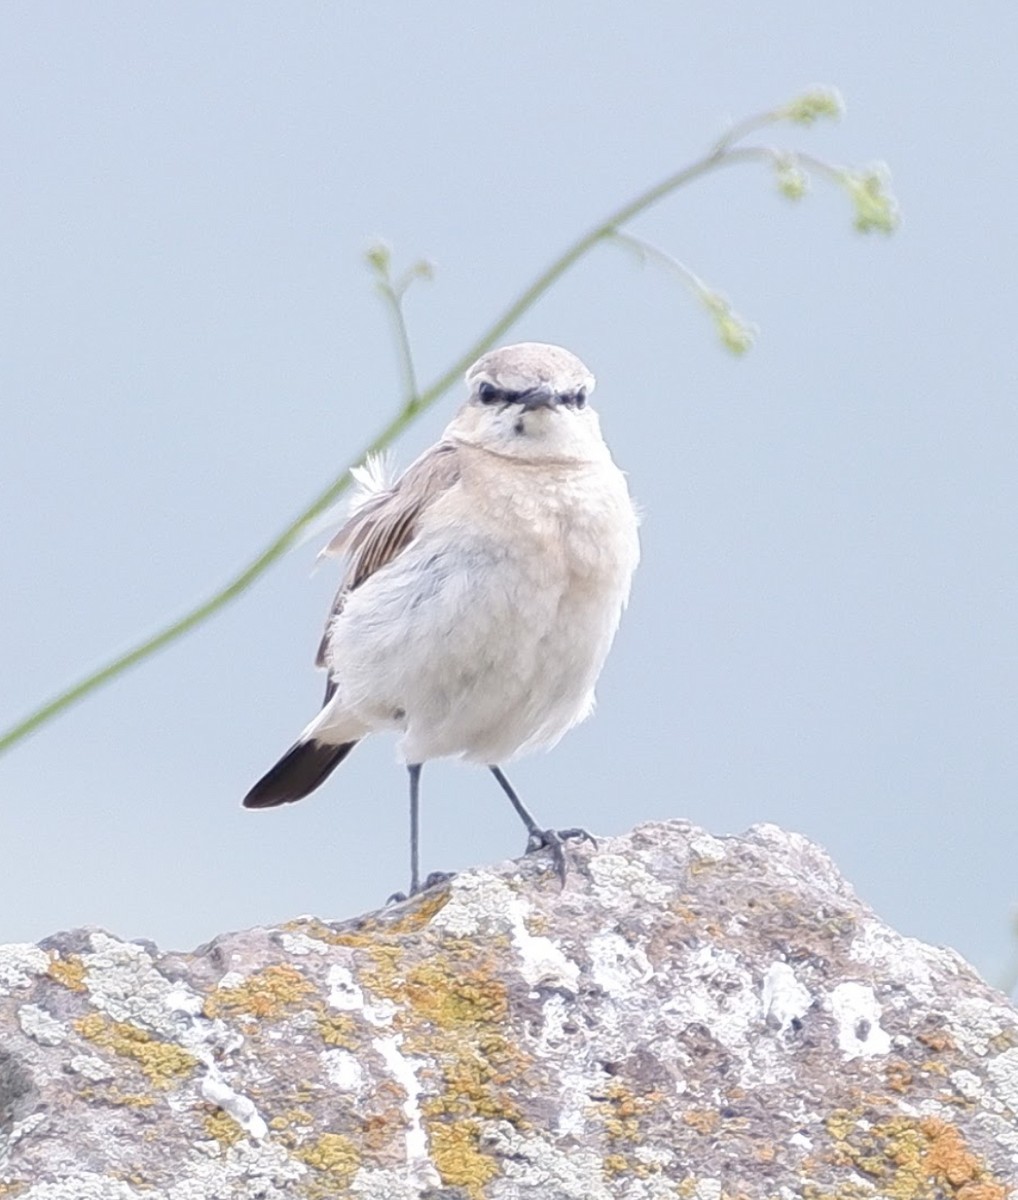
x=690 y=1017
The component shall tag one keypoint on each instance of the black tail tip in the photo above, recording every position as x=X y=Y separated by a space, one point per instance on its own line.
x=301 y=769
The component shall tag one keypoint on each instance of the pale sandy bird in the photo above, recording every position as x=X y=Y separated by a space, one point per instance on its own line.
x=482 y=590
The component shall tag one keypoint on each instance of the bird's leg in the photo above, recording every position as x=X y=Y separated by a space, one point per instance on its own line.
x=540 y=839
x=436 y=877
x=415 y=827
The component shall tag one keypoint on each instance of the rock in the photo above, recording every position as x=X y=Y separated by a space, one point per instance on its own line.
x=689 y=1017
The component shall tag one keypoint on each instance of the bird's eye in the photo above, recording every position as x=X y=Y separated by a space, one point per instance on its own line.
x=577 y=399
x=487 y=393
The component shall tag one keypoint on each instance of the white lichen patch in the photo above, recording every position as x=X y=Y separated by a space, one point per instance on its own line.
x=247 y=1171
x=299 y=945
x=479 y=903
x=241 y=1108
x=919 y=968
x=84 y=1185
x=708 y=1189
x=975 y=1023
x=784 y=999
x=857 y=1013
x=718 y=993
x=344 y=991
x=343 y=1070
x=381 y=1184
x=541 y=1168
x=706 y=847
x=183 y=1000
x=541 y=961
x=404 y=1071
x=91 y=1067
x=20 y=963
x=967 y=1084
x=123 y=983
x=482 y=904
x=41 y=1025
x=1003 y=1073
x=617 y=878
x=346 y=994
x=616 y=966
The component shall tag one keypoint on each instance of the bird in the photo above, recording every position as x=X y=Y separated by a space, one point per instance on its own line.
x=481 y=590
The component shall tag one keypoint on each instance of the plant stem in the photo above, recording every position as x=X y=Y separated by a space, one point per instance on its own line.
x=394 y=302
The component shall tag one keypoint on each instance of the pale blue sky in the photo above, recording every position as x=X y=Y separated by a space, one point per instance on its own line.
x=823 y=630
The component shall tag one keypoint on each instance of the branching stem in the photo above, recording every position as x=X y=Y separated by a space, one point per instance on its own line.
x=723 y=153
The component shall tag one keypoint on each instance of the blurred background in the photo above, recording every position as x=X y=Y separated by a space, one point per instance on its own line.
x=822 y=633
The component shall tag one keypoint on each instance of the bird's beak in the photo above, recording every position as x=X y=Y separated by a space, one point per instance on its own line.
x=539 y=397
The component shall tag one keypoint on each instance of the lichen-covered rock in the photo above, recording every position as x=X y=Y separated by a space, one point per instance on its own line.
x=689 y=1017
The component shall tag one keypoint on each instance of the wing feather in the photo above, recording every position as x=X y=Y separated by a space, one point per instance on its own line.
x=383 y=526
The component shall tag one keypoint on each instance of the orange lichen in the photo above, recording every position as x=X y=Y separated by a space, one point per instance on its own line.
x=913 y=1159
x=898 y=1075
x=703 y=1120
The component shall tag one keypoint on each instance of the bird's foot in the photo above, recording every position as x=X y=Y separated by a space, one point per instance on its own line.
x=555 y=841
x=433 y=880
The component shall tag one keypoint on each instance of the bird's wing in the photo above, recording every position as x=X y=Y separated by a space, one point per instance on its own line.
x=385 y=524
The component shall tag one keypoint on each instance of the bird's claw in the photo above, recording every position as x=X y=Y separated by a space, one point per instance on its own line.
x=555 y=841
x=432 y=880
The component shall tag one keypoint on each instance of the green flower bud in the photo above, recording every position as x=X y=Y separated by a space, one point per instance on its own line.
x=792 y=180
x=812 y=105
x=379 y=257
x=869 y=189
x=736 y=334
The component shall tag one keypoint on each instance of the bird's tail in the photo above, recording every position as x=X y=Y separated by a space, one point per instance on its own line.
x=302 y=768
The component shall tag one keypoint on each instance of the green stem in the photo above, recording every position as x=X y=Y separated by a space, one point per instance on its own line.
x=394 y=302
x=722 y=154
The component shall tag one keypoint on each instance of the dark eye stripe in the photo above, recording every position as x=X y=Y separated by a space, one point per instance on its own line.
x=487 y=393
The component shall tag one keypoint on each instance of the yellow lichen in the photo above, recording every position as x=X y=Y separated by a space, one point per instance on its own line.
x=457 y=1157
x=313 y=928
x=456 y=997
x=337 y=1029
x=222 y=1127
x=416 y=916
x=162 y=1062
x=934 y=1068
x=335 y=1158
x=291 y=1116
x=368 y=933
x=475 y=1074
x=126 y=1099
x=69 y=971
x=621 y=1109
x=267 y=994
x=383 y=975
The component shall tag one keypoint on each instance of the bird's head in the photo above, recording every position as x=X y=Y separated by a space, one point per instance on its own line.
x=530 y=401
